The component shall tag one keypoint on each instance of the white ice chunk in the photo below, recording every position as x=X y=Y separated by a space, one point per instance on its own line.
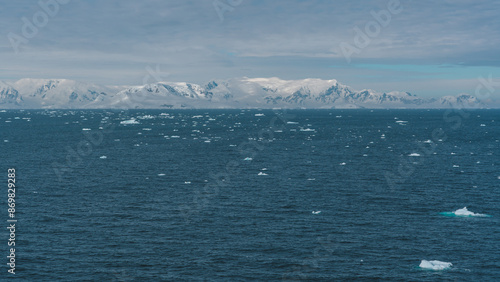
x=435 y=264
x=465 y=212
x=130 y=121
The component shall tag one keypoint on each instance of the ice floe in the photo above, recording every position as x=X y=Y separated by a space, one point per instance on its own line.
x=435 y=265
x=130 y=121
x=464 y=212
x=103 y=157
x=414 y=155
x=316 y=212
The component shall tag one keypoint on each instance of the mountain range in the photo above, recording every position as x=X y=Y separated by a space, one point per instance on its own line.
x=233 y=93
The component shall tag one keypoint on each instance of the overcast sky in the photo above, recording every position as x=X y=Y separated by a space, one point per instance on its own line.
x=429 y=48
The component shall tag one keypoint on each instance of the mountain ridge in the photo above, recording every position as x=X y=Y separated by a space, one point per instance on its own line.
x=232 y=93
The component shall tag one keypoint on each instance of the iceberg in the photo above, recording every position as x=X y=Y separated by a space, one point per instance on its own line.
x=464 y=212
x=414 y=155
x=130 y=121
x=435 y=265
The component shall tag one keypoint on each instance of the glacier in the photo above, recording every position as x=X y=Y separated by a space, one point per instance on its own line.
x=261 y=93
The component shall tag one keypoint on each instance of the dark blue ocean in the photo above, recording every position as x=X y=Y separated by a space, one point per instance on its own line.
x=252 y=195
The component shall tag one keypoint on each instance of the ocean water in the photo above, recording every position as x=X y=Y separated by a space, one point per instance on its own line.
x=260 y=195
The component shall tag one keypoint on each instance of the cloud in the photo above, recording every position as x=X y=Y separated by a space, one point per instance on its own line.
x=115 y=40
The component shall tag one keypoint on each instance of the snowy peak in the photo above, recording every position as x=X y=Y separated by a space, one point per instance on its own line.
x=460 y=101
x=232 y=93
x=58 y=93
x=9 y=95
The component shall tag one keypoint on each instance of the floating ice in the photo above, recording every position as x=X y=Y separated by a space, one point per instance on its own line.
x=161 y=174
x=464 y=212
x=316 y=212
x=247 y=159
x=103 y=157
x=414 y=155
x=435 y=264
x=86 y=129
x=342 y=163
x=259 y=115
x=307 y=129
x=261 y=173
x=130 y=121
x=291 y=122
x=146 y=117
x=187 y=182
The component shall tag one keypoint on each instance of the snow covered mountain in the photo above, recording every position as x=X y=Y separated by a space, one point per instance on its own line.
x=233 y=93
x=51 y=93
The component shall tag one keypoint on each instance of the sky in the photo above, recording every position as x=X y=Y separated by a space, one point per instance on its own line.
x=428 y=48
